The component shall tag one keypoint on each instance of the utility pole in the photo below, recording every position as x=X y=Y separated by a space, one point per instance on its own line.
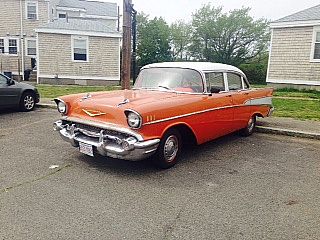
x=21 y=42
x=126 y=44
x=134 y=45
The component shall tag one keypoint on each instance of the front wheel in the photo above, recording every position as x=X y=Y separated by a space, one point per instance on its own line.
x=27 y=102
x=169 y=149
x=249 y=129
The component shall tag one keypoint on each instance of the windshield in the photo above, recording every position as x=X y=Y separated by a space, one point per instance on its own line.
x=174 y=79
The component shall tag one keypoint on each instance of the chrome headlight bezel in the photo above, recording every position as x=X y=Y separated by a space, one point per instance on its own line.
x=61 y=106
x=134 y=119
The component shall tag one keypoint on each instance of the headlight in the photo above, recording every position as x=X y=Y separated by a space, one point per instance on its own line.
x=134 y=119
x=62 y=107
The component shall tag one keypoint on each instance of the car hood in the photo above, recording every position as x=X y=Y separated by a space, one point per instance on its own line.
x=24 y=85
x=110 y=106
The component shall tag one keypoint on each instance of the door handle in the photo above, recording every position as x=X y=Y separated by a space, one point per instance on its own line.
x=229 y=95
x=246 y=93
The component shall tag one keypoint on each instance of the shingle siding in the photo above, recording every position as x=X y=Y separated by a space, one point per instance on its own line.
x=10 y=18
x=56 y=59
x=290 y=55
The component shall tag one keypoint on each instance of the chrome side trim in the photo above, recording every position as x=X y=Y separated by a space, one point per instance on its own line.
x=251 y=102
x=191 y=114
x=107 y=126
x=259 y=101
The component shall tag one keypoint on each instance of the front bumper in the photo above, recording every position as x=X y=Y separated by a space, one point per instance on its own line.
x=106 y=144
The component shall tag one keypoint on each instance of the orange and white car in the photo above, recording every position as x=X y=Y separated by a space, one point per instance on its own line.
x=170 y=104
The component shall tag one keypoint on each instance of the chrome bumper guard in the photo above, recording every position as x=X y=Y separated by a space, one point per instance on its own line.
x=107 y=145
x=271 y=110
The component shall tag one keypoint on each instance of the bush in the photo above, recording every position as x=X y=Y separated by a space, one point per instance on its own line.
x=255 y=72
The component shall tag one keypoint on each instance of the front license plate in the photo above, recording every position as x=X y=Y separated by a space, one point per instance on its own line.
x=86 y=149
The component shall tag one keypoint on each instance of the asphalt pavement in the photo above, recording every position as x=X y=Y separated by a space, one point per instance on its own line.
x=260 y=187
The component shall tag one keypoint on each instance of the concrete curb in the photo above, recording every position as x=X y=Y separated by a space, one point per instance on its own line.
x=46 y=105
x=261 y=129
x=287 y=132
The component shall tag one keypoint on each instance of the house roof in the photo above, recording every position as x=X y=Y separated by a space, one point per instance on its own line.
x=71 y=26
x=309 y=14
x=92 y=7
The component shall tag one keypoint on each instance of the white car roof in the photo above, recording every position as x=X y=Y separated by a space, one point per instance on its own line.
x=199 y=66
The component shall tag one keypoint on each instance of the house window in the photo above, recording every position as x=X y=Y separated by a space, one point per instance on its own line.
x=13 y=46
x=62 y=15
x=31 y=47
x=9 y=45
x=80 y=49
x=32 y=10
x=316 y=54
x=1 y=45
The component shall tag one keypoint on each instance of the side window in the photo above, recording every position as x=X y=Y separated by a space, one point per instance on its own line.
x=234 y=81
x=3 y=80
x=215 y=79
x=246 y=85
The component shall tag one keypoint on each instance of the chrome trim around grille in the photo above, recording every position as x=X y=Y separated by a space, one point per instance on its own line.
x=107 y=126
x=121 y=146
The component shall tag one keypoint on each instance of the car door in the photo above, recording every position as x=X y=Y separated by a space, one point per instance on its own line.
x=218 y=113
x=240 y=95
x=9 y=94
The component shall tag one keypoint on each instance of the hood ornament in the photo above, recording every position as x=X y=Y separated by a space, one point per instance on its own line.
x=125 y=101
x=93 y=113
x=86 y=97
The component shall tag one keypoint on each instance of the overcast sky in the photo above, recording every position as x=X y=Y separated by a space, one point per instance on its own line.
x=173 y=10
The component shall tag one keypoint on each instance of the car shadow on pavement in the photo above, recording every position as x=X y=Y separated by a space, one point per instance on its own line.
x=7 y=111
x=190 y=158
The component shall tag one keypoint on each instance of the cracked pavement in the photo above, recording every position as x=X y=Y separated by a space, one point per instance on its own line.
x=261 y=187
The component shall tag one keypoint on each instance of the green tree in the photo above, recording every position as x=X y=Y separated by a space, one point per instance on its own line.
x=256 y=70
x=180 y=40
x=233 y=38
x=153 y=40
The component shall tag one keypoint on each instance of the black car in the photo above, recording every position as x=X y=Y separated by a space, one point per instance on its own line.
x=17 y=94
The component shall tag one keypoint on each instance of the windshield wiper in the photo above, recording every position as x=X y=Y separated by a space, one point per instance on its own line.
x=164 y=87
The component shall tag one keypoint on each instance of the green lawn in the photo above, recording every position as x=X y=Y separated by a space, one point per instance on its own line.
x=299 y=109
x=49 y=91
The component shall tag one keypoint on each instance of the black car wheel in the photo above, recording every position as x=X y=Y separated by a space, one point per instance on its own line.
x=27 y=102
x=169 y=149
x=249 y=129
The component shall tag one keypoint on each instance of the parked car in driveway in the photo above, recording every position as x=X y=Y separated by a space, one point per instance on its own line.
x=15 y=94
x=171 y=104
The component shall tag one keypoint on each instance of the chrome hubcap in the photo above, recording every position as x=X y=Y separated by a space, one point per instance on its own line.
x=251 y=124
x=28 y=102
x=171 y=147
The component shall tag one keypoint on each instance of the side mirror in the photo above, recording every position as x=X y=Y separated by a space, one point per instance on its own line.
x=215 y=90
x=10 y=82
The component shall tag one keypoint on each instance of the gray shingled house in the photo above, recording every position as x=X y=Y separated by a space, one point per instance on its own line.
x=60 y=41
x=294 y=59
x=81 y=45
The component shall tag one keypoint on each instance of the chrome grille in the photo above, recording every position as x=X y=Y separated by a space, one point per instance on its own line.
x=98 y=130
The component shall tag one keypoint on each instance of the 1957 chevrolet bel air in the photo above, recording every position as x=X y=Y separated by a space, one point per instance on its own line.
x=171 y=104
